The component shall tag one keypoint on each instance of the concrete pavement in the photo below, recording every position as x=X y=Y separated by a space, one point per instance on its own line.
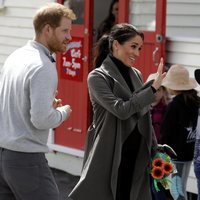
x=65 y=182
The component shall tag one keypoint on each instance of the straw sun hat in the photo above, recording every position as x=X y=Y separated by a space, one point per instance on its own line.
x=152 y=77
x=177 y=78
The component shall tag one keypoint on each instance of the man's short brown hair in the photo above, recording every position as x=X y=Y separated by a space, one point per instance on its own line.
x=51 y=14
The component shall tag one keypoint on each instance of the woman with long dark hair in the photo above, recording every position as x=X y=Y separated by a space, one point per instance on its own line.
x=109 y=21
x=121 y=137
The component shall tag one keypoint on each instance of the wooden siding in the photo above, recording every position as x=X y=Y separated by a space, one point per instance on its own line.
x=185 y=51
x=183 y=16
x=16 y=24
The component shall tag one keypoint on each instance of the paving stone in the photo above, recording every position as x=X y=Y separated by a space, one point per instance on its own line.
x=65 y=182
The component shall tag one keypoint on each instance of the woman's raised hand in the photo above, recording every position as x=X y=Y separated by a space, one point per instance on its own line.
x=159 y=75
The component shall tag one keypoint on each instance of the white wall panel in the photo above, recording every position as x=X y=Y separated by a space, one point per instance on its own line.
x=16 y=24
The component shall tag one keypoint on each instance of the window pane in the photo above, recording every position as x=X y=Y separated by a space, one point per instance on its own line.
x=142 y=14
x=78 y=7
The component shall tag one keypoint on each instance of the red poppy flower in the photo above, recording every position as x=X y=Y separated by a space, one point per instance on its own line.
x=161 y=168
x=157 y=173
x=158 y=162
x=168 y=168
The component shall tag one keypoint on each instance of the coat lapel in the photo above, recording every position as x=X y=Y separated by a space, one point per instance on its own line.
x=111 y=70
x=135 y=79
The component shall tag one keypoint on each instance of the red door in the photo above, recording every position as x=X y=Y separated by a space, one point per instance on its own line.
x=154 y=43
x=73 y=67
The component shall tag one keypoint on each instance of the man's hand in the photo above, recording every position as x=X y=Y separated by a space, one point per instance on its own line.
x=57 y=103
x=68 y=110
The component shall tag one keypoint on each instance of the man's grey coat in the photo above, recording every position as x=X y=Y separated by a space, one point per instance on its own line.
x=116 y=112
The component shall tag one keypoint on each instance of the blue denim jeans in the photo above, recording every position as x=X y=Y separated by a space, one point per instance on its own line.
x=197 y=164
x=197 y=174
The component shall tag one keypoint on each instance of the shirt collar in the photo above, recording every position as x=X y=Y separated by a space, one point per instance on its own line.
x=42 y=48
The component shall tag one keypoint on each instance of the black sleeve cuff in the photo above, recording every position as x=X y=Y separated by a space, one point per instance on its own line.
x=153 y=89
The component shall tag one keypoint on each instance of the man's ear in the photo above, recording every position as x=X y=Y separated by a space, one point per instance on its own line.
x=47 y=29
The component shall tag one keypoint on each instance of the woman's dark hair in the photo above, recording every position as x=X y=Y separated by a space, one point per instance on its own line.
x=191 y=98
x=120 y=32
x=107 y=23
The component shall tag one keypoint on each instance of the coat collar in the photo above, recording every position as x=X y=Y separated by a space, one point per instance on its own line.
x=108 y=67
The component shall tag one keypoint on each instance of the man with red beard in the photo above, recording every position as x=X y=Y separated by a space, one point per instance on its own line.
x=28 y=108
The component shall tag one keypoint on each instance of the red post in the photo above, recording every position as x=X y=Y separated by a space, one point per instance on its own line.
x=123 y=11
x=161 y=8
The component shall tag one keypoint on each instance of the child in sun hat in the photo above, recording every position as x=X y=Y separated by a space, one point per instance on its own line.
x=179 y=125
x=158 y=108
x=197 y=143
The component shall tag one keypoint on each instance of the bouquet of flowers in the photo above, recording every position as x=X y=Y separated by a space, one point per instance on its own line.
x=161 y=168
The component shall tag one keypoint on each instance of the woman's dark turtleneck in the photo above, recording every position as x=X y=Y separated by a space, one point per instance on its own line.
x=130 y=147
x=124 y=71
